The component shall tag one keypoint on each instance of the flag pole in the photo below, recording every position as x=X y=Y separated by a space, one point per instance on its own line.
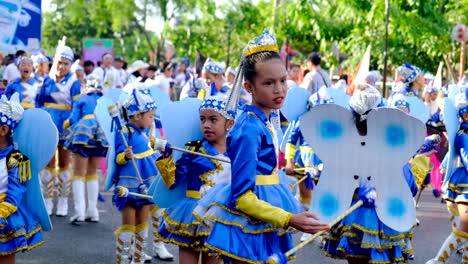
x=387 y=17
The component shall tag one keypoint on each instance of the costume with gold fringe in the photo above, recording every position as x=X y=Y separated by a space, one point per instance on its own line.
x=180 y=225
x=19 y=229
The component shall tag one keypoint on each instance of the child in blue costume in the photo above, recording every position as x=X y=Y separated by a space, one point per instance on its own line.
x=361 y=237
x=139 y=112
x=19 y=229
x=214 y=83
x=56 y=96
x=455 y=190
x=26 y=86
x=180 y=225
x=251 y=218
x=88 y=144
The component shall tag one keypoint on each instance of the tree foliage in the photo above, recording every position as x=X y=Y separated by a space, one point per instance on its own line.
x=419 y=30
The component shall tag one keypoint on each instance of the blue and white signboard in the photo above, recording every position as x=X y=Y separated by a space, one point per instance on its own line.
x=20 y=23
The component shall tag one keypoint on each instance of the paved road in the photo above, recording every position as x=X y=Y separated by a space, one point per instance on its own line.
x=94 y=243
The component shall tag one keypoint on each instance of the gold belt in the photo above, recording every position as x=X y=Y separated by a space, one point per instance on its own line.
x=27 y=105
x=193 y=194
x=267 y=179
x=89 y=116
x=57 y=106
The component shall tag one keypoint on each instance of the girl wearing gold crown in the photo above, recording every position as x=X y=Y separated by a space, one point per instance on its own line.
x=253 y=216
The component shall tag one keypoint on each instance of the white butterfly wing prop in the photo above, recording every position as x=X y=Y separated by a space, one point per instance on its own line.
x=418 y=109
x=295 y=103
x=452 y=124
x=392 y=138
x=331 y=132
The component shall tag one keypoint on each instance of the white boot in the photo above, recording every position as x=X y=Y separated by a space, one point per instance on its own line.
x=92 y=188
x=78 y=186
x=124 y=235
x=138 y=249
x=454 y=217
x=63 y=190
x=48 y=186
x=159 y=248
x=455 y=238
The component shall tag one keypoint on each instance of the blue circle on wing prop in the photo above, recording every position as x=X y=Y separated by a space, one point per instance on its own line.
x=395 y=136
x=328 y=204
x=330 y=129
x=396 y=208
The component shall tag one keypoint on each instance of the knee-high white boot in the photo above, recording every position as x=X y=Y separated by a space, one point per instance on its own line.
x=78 y=186
x=455 y=239
x=92 y=189
x=159 y=248
x=139 y=255
x=124 y=235
x=63 y=191
x=48 y=176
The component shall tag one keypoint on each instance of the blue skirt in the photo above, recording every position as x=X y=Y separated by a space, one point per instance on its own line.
x=361 y=235
x=58 y=117
x=237 y=236
x=455 y=188
x=22 y=233
x=179 y=226
x=87 y=139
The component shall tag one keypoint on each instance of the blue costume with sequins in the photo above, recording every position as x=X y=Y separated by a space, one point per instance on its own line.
x=304 y=157
x=455 y=188
x=180 y=225
x=125 y=175
x=57 y=98
x=22 y=231
x=86 y=136
x=27 y=91
x=249 y=219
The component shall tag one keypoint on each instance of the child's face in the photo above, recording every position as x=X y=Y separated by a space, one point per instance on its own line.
x=26 y=68
x=465 y=117
x=63 y=67
x=143 y=120
x=213 y=125
x=269 y=86
x=4 y=131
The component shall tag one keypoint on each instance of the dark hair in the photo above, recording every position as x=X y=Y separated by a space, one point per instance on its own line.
x=306 y=71
x=76 y=57
x=344 y=77
x=20 y=53
x=88 y=63
x=248 y=65
x=315 y=58
x=152 y=68
x=361 y=125
x=294 y=66
x=166 y=66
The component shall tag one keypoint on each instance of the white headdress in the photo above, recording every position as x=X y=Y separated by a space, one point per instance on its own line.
x=11 y=111
x=139 y=102
x=365 y=100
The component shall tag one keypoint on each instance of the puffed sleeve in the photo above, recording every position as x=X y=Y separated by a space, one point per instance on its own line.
x=10 y=90
x=243 y=154
x=292 y=140
x=75 y=90
x=461 y=143
x=120 y=146
x=77 y=112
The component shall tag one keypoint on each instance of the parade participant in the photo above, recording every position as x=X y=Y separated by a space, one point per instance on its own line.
x=430 y=99
x=139 y=112
x=454 y=187
x=79 y=73
x=183 y=73
x=109 y=75
x=412 y=78
x=230 y=76
x=304 y=157
x=11 y=71
x=214 y=79
x=316 y=77
x=41 y=67
x=56 y=97
x=362 y=237
x=88 y=144
x=26 y=86
x=19 y=228
x=121 y=65
x=251 y=219
x=137 y=71
x=179 y=225
x=88 y=67
x=163 y=80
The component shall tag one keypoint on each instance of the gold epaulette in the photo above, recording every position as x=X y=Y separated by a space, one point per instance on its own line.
x=16 y=159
